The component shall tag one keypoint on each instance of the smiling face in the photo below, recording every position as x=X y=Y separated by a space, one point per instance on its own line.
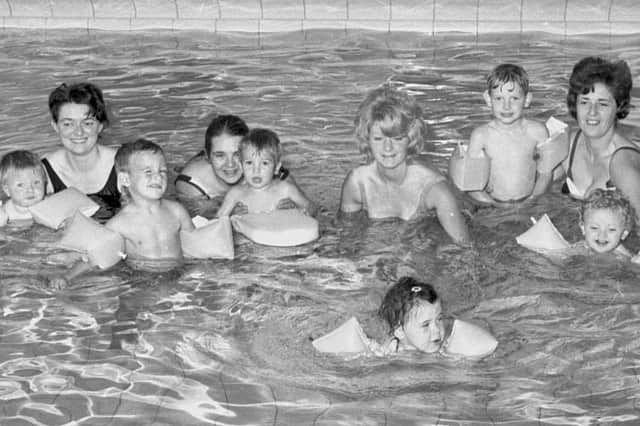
x=25 y=187
x=77 y=129
x=259 y=167
x=596 y=111
x=603 y=229
x=388 y=150
x=423 y=328
x=146 y=177
x=507 y=102
x=225 y=158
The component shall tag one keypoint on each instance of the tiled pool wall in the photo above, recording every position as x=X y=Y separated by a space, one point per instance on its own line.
x=264 y=16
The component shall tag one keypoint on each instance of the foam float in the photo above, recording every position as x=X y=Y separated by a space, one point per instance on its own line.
x=543 y=236
x=102 y=246
x=469 y=173
x=58 y=207
x=280 y=228
x=553 y=150
x=347 y=338
x=212 y=239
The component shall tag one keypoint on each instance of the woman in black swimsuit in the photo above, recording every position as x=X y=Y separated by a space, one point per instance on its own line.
x=78 y=115
x=600 y=156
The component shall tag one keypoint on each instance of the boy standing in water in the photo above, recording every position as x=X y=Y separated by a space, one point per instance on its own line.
x=259 y=192
x=509 y=140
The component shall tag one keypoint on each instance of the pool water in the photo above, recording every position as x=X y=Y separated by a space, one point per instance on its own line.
x=228 y=342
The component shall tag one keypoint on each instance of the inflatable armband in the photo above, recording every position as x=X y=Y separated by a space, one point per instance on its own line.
x=348 y=338
x=281 y=228
x=212 y=239
x=467 y=173
x=555 y=148
x=102 y=246
x=543 y=235
x=469 y=340
x=56 y=208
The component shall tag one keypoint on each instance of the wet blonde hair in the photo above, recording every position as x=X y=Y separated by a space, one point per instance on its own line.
x=399 y=109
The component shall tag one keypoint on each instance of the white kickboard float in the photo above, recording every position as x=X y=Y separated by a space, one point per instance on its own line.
x=212 y=239
x=280 y=228
x=543 y=236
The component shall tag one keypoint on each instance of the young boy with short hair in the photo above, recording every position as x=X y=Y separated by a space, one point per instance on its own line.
x=510 y=140
x=259 y=192
x=23 y=180
x=606 y=218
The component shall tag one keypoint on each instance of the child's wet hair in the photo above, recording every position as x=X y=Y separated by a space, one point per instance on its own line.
x=607 y=199
x=263 y=140
x=231 y=125
x=126 y=151
x=401 y=298
x=20 y=160
x=591 y=70
x=508 y=73
x=399 y=109
x=79 y=93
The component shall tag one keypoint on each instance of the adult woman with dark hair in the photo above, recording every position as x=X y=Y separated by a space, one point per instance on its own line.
x=78 y=116
x=206 y=178
x=599 y=155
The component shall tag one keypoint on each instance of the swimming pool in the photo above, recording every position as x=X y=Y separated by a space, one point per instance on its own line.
x=227 y=342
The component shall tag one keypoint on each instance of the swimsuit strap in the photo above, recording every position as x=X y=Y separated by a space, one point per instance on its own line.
x=572 y=153
x=55 y=180
x=187 y=179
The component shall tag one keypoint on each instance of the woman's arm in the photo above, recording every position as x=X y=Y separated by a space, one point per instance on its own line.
x=350 y=198
x=441 y=198
x=624 y=170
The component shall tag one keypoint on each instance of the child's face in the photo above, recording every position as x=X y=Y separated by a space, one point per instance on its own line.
x=78 y=131
x=423 y=328
x=25 y=187
x=225 y=157
x=603 y=229
x=388 y=151
x=147 y=175
x=596 y=111
x=259 y=167
x=507 y=102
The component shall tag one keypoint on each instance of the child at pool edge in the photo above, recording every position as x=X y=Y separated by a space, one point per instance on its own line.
x=412 y=310
x=23 y=180
x=510 y=140
x=606 y=219
x=258 y=192
x=389 y=128
x=149 y=223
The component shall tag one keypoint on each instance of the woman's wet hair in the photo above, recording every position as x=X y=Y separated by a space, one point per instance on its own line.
x=401 y=298
x=399 y=110
x=79 y=93
x=229 y=124
x=591 y=70
x=263 y=140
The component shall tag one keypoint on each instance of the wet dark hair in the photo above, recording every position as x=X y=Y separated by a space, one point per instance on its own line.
x=401 y=298
x=263 y=140
x=79 y=93
x=591 y=70
x=609 y=200
x=127 y=150
x=20 y=160
x=229 y=124
x=508 y=73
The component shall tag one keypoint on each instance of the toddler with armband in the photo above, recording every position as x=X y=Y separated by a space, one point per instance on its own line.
x=23 y=180
x=149 y=223
x=412 y=310
x=259 y=192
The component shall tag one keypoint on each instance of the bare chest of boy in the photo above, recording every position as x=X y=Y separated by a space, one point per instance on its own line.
x=154 y=236
x=264 y=200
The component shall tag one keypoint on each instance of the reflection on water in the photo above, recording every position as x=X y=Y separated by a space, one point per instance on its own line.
x=227 y=342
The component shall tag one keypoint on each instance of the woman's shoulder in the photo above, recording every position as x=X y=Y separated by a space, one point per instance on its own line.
x=197 y=166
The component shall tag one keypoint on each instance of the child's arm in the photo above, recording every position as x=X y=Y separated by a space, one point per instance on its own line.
x=186 y=224
x=4 y=217
x=441 y=198
x=296 y=195
x=350 y=198
x=478 y=145
x=228 y=204
x=540 y=133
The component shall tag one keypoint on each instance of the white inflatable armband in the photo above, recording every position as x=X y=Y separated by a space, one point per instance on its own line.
x=348 y=338
x=103 y=247
x=212 y=239
x=56 y=208
x=280 y=228
x=467 y=173
x=469 y=340
x=543 y=235
x=555 y=148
